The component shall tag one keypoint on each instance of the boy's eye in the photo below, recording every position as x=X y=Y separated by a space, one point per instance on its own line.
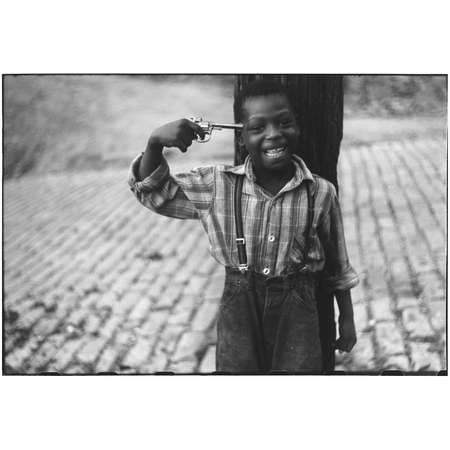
x=287 y=121
x=255 y=126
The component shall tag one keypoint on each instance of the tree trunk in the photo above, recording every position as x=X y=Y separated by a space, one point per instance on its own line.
x=318 y=103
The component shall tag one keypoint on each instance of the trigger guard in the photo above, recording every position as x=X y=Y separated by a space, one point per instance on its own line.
x=205 y=139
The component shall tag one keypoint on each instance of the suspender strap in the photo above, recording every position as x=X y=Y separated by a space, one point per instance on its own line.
x=240 y=240
x=243 y=267
x=307 y=234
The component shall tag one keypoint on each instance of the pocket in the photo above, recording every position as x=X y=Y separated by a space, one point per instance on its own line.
x=316 y=252
x=230 y=292
x=297 y=249
x=305 y=299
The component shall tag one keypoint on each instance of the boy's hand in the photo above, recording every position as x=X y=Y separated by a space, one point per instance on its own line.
x=347 y=334
x=179 y=134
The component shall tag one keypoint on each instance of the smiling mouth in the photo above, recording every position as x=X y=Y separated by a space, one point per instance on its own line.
x=274 y=153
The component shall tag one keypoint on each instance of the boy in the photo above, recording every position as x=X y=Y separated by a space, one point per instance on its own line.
x=271 y=223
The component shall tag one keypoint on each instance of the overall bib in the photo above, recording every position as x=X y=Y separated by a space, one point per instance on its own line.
x=268 y=324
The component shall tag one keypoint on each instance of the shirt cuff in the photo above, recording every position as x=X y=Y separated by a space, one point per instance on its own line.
x=152 y=181
x=344 y=281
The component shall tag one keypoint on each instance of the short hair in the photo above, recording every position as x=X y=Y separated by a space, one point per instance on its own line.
x=258 y=88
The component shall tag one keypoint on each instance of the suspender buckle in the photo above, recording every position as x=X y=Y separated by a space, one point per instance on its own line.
x=303 y=269
x=240 y=241
x=243 y=268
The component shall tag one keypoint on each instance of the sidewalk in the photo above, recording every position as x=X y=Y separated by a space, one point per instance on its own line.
x=94 y=282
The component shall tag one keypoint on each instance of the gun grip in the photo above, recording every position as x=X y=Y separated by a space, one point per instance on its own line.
x=205 y=139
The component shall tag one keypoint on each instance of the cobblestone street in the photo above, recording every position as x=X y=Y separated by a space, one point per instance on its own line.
x=94 y=282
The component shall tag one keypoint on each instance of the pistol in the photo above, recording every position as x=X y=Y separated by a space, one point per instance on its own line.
x=208 y=126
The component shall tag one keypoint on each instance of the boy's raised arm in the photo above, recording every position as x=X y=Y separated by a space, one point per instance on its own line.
x=183 y=195
x=178 y=134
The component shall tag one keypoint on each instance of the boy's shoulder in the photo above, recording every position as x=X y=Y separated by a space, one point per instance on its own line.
x=323 y=187
x=320 y=185
x=210 y=174
x=229 y=168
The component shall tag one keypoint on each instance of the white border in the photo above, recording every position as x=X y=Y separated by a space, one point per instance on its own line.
x=205 y=37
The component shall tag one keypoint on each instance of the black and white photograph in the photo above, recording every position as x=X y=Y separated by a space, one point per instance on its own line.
x=224 y=224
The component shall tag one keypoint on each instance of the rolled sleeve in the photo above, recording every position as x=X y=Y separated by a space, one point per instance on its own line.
x=153 y=181
x=343 y=281
x=339 y=275
x=182 y=196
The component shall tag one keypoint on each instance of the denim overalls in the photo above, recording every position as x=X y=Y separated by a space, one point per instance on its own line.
x=268 y=324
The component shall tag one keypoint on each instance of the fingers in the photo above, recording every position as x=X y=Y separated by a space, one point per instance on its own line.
x=181 y=145
x=197 y=129
x=338 y=345
x=185 y=138
x=344 y=345
x=351 y=344
x=187 y=132
x=179 y=133
x=188 y=136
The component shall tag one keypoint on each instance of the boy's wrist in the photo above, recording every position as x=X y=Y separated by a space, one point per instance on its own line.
x=345 y=315
x=344 y=301
x=151 y=159
x=154 y=145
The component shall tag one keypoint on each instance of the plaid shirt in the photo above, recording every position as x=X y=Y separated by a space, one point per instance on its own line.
x=273 y=225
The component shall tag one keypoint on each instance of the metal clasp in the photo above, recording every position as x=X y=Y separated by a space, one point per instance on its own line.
x=243 y=268
x=303 y=269
x=240 y=241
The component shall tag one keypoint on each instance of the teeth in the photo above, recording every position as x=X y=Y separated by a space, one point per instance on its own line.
x=274 y=151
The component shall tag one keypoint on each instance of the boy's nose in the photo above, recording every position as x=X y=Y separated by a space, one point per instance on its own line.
x=273 y=131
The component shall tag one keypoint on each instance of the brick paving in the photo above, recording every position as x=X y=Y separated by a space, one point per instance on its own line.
x=93 y=282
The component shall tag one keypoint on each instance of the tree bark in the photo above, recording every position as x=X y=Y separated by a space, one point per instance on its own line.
x=318 y=104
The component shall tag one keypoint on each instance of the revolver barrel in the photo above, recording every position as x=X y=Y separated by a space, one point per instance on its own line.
x=227 y=126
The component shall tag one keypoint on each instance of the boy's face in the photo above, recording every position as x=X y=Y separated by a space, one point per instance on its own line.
x=270 y=133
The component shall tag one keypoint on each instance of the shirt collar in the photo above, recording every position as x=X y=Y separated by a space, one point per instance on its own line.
x=301 y=174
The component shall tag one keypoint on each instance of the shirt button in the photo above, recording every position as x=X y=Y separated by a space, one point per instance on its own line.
x=266 y=271
x=271 y=238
